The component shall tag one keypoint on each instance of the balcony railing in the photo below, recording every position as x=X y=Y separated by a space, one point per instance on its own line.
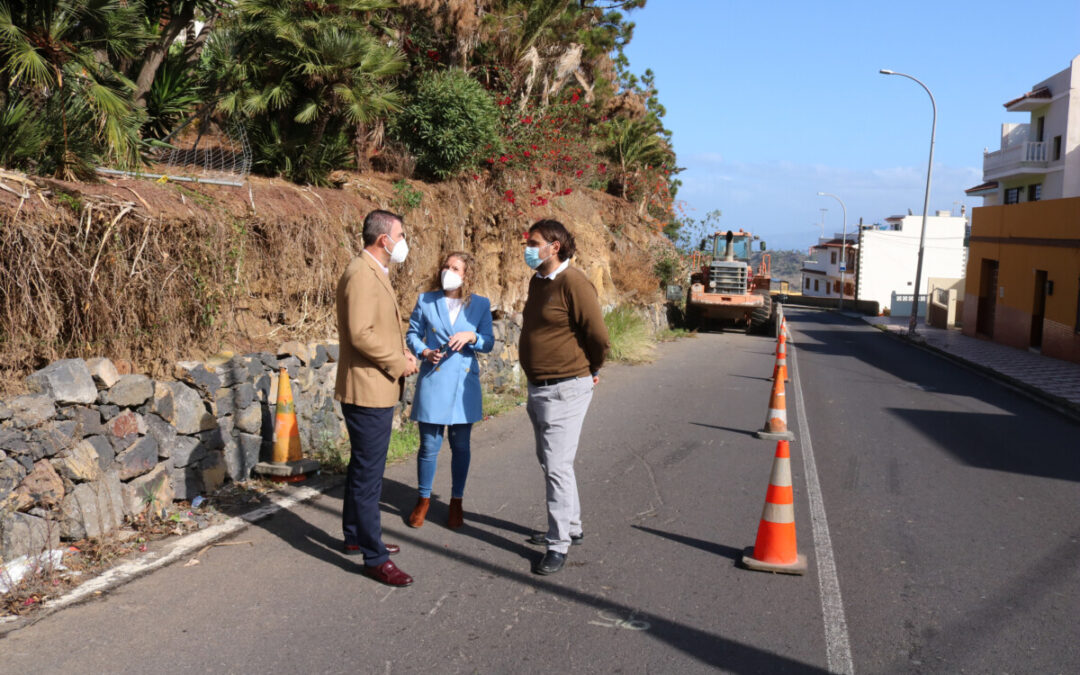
x=1018 y=158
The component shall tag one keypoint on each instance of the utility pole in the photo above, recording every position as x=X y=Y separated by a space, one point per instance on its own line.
x=823 y=222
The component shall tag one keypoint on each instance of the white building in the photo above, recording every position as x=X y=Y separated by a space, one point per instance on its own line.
x=888 y=258
x=1040 y=158
x=821 y=272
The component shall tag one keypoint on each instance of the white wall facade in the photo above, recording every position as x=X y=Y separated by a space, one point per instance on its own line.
x=1013 y=165
x=823 y=266
x=887 y=258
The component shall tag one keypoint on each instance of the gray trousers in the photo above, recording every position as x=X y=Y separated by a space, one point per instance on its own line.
x=557 y=412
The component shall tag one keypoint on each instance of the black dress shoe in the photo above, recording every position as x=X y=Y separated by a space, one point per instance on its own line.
x=540 y=539
x=551 y=563
x=352 y=549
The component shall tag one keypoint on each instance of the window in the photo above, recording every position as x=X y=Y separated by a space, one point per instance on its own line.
x=808 y=283
x=1040 y=126
x=1012 y=195
x=1057 y=148
x=836 y=286
x=1034 y=192
x=815 y=284
x=832 y=257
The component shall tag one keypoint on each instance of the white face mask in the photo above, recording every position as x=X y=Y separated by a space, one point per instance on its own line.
x=451 y=280
x=399 y=252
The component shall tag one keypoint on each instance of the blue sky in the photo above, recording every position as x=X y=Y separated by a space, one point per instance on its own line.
x=770 y=103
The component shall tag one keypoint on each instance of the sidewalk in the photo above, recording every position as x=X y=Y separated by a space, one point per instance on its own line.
x=1051 y=380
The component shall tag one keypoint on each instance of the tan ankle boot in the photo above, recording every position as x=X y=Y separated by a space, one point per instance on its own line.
x=419 y=512
x=457 y=514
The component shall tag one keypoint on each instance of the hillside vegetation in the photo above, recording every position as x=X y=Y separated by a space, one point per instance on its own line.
x=472 y=117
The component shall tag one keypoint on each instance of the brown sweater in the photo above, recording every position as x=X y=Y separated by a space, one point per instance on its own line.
x=562 y=331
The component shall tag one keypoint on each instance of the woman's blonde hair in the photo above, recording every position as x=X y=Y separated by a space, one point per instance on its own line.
x=467 y=279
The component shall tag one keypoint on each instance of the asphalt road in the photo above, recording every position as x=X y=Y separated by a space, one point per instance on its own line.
x=952 y=505
x=951 y=509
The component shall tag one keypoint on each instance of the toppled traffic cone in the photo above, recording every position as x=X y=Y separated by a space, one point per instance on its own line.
x=775 y=549
x=780 y=369
x=287 y=463
x=776 y=419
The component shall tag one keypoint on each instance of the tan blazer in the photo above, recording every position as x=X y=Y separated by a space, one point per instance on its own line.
x=372 y=356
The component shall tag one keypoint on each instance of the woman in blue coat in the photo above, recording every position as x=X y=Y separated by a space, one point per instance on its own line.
x=447 y=329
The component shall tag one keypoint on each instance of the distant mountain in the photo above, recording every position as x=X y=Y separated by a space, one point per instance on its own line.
x=784 y=265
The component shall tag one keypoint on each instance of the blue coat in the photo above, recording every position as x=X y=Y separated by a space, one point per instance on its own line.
x=450 y=392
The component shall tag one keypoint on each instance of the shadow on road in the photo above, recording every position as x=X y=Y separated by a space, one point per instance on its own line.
x=1013 y=440
x=708 y=648
x=995 y=442
x=745 y=432
x=734 y=554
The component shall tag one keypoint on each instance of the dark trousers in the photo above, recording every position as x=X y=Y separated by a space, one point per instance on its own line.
x=369 y=436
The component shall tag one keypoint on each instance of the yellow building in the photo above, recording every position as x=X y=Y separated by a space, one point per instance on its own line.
x=1023 y=273
x=1023 y=276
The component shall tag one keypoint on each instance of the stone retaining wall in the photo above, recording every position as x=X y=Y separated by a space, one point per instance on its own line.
x=92 y=446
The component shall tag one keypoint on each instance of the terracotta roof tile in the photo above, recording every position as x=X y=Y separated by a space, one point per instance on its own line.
x=1041 y=92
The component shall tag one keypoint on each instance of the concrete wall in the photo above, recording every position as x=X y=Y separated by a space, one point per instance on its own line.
x=887 y=258
x=1024 y=238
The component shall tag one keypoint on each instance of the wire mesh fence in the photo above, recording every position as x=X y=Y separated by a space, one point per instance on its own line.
x=200 y=151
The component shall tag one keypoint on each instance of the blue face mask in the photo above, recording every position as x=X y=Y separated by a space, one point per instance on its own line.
x=532 y=256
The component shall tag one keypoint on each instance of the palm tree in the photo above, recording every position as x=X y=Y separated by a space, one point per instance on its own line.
x=310 y=65
x=60 y=54
x=635 y=145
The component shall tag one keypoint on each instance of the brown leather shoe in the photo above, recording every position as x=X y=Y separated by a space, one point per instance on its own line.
x=457 y=514
x=419 y=512
x=389 y=574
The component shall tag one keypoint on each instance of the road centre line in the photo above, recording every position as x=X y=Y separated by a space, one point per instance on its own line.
x=837 y=644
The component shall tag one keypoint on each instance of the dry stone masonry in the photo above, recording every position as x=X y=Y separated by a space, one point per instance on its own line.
x=89 y=446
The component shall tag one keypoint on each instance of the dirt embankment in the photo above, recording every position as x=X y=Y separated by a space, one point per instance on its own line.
x=151 y=272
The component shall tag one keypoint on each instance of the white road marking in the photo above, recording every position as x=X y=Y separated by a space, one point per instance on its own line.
x=616 y=622
x=837 y=644
x=179 y=549
x=438 y=604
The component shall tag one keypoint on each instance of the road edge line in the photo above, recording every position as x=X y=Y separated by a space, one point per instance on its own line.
x=129 y=571
x=837 y=642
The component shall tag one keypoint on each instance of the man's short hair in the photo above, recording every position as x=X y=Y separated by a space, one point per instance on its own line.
x=553 y=230
x=378 y=223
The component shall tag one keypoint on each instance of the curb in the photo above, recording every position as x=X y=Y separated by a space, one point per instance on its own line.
x=1055 y=403
x=179 y=548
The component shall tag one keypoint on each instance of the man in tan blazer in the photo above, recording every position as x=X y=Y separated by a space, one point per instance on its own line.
x=372 y=367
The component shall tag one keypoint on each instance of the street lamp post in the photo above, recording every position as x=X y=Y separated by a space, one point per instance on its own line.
x=926 y=200
x=843 y=246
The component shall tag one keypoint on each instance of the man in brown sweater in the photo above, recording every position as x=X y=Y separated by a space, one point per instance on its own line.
x=562 y=347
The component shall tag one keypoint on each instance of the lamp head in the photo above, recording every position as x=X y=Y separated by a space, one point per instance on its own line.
x=821 y=194
x=885 y=71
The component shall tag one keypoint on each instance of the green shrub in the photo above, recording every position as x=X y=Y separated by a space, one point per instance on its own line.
x=631 y=340
x=447 y=121
x=406 y=197
x=22 y=136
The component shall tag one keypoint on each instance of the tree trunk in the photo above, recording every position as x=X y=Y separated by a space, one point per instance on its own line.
x=193 y=48
x=156 y=53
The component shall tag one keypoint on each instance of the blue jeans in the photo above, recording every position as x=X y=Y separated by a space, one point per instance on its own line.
x=431 y=437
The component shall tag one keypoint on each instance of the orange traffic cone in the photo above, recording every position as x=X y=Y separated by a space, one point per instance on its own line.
x=776 y=419
x=780 y=369
x=287 y=463
x=286 y=432
x=775 y=549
